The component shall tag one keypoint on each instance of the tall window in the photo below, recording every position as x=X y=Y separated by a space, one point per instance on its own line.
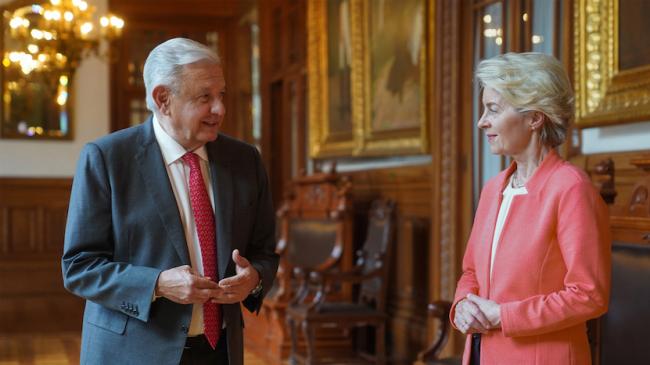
x=508 y=26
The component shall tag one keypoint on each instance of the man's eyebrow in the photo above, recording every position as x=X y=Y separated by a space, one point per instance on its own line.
x=201 y=90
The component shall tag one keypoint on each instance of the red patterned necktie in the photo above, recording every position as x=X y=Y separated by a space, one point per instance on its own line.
x=205 y=227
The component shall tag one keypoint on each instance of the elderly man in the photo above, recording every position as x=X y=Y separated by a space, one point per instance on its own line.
x=170 y=225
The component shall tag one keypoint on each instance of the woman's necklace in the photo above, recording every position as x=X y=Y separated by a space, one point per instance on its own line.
x=517 y=181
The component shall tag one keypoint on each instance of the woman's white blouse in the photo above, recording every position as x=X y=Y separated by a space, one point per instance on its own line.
x=508 y=195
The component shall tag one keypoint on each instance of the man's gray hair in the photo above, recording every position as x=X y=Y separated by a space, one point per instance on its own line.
x=164 y=65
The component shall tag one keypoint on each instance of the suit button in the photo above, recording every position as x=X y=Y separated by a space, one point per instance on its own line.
x=184 y=329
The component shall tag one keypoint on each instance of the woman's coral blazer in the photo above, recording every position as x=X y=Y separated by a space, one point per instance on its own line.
x=551 y=270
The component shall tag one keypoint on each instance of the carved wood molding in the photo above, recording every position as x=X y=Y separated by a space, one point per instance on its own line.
x=446 y=147
x=449 y=39
x=642 y=163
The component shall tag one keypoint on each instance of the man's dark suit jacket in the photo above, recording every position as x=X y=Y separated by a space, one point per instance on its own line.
x=124 y=228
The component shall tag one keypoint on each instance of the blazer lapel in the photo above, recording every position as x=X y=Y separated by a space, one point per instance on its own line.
x=156 y=182
x=486 y=254
x=223 y=191
x=495 y=198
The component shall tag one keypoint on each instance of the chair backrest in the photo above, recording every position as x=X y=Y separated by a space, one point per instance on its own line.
x=312 y=242
x=315 y=227
x=317 y=221
x=624 y=329
x=376 y=252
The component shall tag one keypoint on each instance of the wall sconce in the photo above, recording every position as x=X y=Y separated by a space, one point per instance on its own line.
x=56 y=36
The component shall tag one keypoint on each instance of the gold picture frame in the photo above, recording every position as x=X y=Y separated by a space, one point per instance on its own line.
x=345 y=61
x=608 y=91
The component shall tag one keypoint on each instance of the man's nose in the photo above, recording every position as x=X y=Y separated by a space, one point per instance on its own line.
x=218 y=108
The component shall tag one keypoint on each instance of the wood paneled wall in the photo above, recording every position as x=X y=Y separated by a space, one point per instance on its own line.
x=410 y=188
x=32 y=225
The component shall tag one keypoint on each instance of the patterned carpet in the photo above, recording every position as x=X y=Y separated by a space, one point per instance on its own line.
x=55 y=349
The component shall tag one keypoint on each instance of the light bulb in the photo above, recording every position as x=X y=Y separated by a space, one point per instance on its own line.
x=86 y=28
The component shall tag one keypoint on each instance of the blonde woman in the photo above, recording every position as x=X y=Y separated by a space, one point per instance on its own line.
x=537 y=264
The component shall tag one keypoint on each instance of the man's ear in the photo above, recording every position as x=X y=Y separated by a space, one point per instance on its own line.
x=536 y=120
x=161 y=97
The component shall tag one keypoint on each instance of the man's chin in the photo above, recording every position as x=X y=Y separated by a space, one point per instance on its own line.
x=210 y=137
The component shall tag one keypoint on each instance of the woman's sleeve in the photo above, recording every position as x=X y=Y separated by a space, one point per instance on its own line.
x=467 y=282
x=585 y=243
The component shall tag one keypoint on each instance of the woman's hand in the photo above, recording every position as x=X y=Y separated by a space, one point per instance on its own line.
x=489 y=308
x=469 y=318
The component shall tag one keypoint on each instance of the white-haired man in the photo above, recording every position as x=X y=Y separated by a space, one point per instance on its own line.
x=170 y=225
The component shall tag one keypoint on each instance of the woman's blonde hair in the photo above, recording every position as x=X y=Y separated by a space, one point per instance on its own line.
x=532 y=81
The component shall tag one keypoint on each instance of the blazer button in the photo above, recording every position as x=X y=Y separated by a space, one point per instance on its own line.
x=184 y=329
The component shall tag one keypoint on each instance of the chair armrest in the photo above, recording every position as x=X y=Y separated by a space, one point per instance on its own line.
x=300 y=276
x=354 y=276
x=438 y=310
x=325 y=280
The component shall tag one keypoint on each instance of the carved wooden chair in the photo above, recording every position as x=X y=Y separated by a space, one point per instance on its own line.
x=315 y=231
x=440 y=311
x=370 y=273
x=315 y=228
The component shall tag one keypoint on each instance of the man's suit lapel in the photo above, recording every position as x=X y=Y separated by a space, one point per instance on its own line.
x=159 y=190
x=223 y=191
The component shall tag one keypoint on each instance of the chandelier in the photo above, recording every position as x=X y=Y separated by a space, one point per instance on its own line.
x=56 y=36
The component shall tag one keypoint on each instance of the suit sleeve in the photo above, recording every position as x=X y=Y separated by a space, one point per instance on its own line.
x=261 y=248
x=584 y=240
x=88 y=265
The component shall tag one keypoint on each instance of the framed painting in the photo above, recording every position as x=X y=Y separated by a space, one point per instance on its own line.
x=368 y=73
x=395 y=52
x=330 y=39
x=612 y=62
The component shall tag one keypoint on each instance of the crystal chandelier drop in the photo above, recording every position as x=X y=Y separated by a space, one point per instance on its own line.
x=56 y=36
